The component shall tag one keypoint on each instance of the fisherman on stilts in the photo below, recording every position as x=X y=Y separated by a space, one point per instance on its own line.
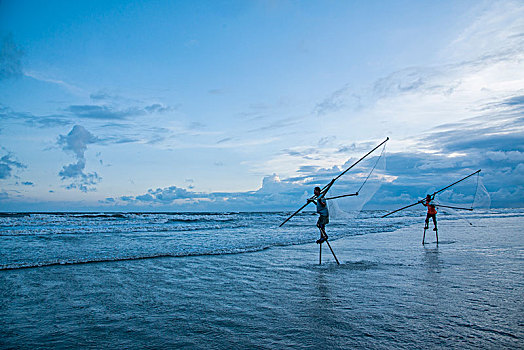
x=322 y=210
x=320 y=200
x=432 y=212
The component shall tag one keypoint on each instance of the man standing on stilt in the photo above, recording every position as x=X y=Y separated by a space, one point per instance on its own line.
x=432 y=212
x=323 y=213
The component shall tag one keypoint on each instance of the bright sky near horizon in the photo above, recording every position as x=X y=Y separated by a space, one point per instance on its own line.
x=243 y=105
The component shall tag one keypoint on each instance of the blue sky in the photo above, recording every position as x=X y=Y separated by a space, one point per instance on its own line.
x=245 y=105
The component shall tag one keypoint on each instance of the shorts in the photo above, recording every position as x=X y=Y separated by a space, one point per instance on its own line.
x=322 y=221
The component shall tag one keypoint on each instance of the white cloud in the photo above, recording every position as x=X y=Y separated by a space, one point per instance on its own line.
x=496 y=32
x=42 y=77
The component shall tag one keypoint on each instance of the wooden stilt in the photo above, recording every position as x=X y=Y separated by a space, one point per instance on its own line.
x=436 y=233
x=320 y=255
x=323 y=234
x=424 y=236
x=332 y=252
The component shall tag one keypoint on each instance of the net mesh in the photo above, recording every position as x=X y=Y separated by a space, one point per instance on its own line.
x=482 y=199
x=366 y=179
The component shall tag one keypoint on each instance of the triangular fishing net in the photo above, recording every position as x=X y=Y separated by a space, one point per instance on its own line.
x=464 y=197
x=482 y=199
x=468 y=194
x=365 y=179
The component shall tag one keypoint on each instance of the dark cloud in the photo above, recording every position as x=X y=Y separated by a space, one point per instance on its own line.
x=106 y=112
x=157 y=108
x=48 y=121
x=73 y=170
x=458 y=141
x=82 y=181
x=40 y=121
x=101 y=112
x=100 y=96
x=499 y=129
x=76 y=142
x=515 y=104
x=171 y=193
x=10 y=58
x=145 y=198
x=514 y=101
x=7 y=165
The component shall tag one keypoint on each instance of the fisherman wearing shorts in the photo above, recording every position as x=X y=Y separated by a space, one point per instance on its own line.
x=432 y=212
x=323 y=213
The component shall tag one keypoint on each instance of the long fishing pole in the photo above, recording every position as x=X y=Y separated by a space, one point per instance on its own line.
x=344 y=195
x=448 y=206
x=358 y=161
x=456 y=182
x=326 y=188
x=434 y=193
x=407 y=206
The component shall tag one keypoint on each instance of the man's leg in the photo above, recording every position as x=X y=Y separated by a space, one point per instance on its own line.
x=426 y=223
x=323 y=235
x=321 y=224
x=435 y=222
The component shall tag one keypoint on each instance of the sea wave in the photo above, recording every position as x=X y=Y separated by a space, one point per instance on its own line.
x=14 y=215
x=132 y=229
x=18 y=266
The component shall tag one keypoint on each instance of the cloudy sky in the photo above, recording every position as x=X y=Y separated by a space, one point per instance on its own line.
x=245 y=105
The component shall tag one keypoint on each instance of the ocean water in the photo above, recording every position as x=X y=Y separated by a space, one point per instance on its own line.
x=236 y=280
